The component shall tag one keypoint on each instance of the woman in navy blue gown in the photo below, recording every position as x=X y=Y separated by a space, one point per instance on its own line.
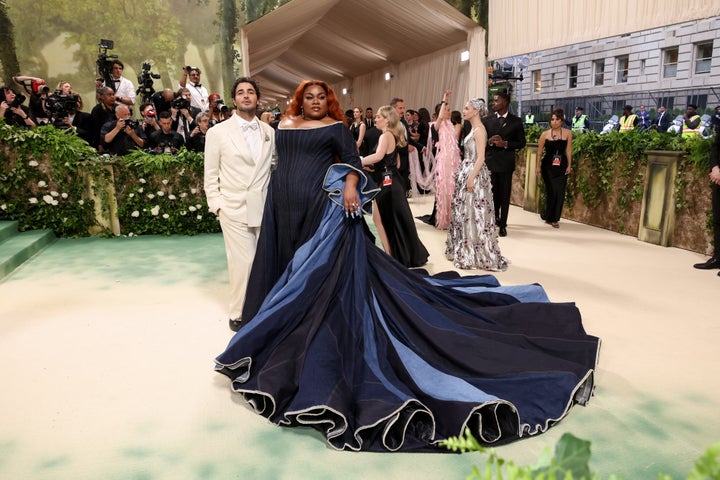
x=341 y=337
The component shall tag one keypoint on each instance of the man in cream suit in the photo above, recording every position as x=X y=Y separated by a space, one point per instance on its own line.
x=238 y=155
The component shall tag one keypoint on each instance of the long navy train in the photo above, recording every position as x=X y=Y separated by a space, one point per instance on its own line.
x=344 y=339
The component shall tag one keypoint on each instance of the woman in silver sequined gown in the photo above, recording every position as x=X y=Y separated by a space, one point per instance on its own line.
x=472 y=241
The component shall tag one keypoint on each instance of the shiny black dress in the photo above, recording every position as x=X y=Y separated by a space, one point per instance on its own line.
x=552 y=168
x=397 y=219
x=375 y=356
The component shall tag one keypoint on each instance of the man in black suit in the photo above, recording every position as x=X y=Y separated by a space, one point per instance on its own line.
x=714 y=261
x=661 y=120
x=506 y=135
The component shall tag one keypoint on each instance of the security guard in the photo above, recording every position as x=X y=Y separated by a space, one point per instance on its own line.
x=691 y=122
x=529 y=118
x=580 y=122
x=629 y=120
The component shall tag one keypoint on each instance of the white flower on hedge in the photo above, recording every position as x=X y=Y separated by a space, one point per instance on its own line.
x=3 y=207
x=198 y=206
x=80 y=202
x=140 y=190
x=155 y=210
x=48 y=199
x=64 y=195
x=54 y=193
x=54 y=202
x=33 y=163
x=131 y=195
x=191 y=208
x=193 y=191
x=32 y=200
x=171 y=197
x=135 y=214
x=150 y=196
x=42 y=183
x=131 y=234
x=166 y=216
x=199 y=217
x=160 y=194
x=183 y=213
x=164 y=182
x=183 y=195
x=141 y=180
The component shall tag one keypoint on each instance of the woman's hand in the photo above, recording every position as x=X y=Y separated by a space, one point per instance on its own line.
x=568 y=170
x=351 y=199
x=471 y=182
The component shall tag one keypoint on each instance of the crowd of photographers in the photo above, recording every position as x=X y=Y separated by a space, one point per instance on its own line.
x=168 y=119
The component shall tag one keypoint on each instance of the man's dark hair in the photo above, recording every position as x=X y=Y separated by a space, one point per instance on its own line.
x=395 y=101
x=505 y=96
x=246 y=80
x=118 y=62
x=165 y=114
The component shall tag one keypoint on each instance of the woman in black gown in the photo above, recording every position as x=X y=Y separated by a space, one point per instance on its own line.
x=403 y=243
x=343 y=338
x=555 y=166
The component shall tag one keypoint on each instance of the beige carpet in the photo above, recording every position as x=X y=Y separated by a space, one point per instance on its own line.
x=106 y=349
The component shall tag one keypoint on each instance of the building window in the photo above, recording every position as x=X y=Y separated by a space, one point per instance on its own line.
x=537 y=80
x=670 y=61
x=599 y=72
x=572 y=76
x=703 y=57
x=552 y=80
x=667 y=102
x=699 y=100
x=622 y=69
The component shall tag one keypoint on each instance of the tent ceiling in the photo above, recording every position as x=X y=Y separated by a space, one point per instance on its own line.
x=337 y=40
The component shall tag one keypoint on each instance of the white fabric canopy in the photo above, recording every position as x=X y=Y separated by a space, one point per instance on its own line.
x=353 y=43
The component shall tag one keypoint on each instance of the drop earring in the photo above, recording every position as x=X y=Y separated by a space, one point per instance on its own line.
x=302 y=113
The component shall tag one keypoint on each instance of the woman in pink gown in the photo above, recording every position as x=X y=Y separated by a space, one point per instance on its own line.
x=447 y=161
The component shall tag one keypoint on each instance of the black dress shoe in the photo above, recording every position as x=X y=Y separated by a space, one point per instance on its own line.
x=713 y=262
x=235 y=324
x=503 y=232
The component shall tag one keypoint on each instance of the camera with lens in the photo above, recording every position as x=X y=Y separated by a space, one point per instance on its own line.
x=145 y=82
x=132 y=123
x=59 y=106
x=181 y=103
x=19 y=100
x=104 y=61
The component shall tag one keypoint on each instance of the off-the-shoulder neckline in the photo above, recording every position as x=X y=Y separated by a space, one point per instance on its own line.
x=310 y=128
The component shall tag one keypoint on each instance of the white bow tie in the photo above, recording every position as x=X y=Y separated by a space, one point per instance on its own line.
x=249 y=126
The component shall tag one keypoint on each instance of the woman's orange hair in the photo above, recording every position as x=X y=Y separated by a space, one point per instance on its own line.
x=334 y=110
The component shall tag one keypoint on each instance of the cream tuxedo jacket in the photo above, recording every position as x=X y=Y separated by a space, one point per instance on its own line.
x=234 y=182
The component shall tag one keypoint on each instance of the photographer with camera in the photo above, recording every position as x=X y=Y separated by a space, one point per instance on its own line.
x=101 y=114
x=196 y=142
x=62 y=108
x=218 y=109
x=124 y=89
x=198 y=93
x=163 y=100
x=183 y=113
x=13 y=110
x=165 y=140
x=149 y=119
x=37 y=91
x=123 y=134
